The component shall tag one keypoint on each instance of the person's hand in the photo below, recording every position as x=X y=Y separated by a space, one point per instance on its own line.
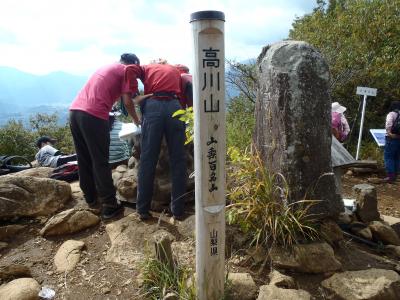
x=137 y=121
x=140 y=98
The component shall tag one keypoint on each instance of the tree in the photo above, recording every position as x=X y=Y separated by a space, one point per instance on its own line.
x=360 y=40
x=15 y=139
x=243 y=78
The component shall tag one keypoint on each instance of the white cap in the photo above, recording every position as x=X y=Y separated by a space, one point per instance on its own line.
x=336 y=107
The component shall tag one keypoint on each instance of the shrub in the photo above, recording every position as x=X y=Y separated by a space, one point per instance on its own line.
x=260 y=206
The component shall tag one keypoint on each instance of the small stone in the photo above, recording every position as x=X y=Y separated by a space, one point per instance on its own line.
x=269 y=292
x=384 y=233
x=105 y=290
x=243 y=286
x=280 y=280
x=68 y=255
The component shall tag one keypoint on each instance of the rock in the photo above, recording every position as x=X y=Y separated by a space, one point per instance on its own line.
x=307 y=258
x=363 y=232
x=234 y=239
x=393 y=250
x=20 y=289
x=25 y=196
x=171 y=296
x=3 y=245
x=187 y=227
x=366 y=201
x=243 y=286
x=68 y=256
x=390 y=220
x=132 y=162
x=345 y=217
x=293 y=96
x=70 y=221
x=283 y=281
x=163 y=252
x=129 y=238
x=127 y=187
x=384 y=233
x=9 y=231
x=271 y=292
x=39 y=172
x=116 y=176
x=366 y=284
x=331 y=232
x=14 y=271
x=121 y=168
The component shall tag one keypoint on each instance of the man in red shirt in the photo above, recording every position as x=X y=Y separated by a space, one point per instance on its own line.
x=186 y=95
x=90 y=131
x=163 y=81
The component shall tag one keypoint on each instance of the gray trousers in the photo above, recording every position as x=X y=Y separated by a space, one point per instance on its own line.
x=158 y=122
x=92 y=141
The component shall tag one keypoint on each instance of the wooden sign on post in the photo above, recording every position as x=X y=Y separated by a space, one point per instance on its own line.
x=209 y=151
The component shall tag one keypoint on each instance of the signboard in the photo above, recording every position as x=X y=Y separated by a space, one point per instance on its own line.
x=379 y=136
x=366 y=91
x=209 y=152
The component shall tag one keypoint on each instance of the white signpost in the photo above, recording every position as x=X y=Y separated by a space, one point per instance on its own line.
x=209 y=151
x=366 y=91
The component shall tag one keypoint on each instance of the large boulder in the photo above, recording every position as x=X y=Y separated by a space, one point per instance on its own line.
x=272 y=292
x=70 y=221
x=42 y=172
x=68 y=255
x=373 y=284
x=20 y=289
x=384 y=233
x=293 y=97
x=307 y=258
x=367 y=203
x=242 y=286
x=26 y=196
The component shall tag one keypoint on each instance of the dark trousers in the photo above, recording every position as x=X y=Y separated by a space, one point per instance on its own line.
x=63 y=159
x=92 y=141
x=158 y=122
x=392 y=157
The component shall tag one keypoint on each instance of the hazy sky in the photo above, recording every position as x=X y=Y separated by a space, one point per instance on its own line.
x=78 y=36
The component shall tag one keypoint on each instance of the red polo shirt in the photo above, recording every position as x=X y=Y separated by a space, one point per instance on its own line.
x=102 y=90
x=155 y=78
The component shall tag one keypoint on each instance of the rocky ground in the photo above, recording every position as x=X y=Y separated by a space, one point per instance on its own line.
x=63 y=245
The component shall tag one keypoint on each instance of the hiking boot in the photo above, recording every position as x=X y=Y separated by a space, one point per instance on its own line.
x=109 y=212
x=145 y=216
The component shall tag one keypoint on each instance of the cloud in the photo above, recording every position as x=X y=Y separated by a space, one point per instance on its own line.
x=79 y=36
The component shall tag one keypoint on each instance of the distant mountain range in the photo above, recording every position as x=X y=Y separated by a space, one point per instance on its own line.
x=23 y=95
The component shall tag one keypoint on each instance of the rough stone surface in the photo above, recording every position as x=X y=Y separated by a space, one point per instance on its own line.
x=127 y=187
x=26 y=196
x=280 y=280
x=271 y=292
x=3 y=245
x=367 y=203
x=384 y=233
x=376 y=284
x=68 y=256
x=331 y=232
x=187 y=227
x=308 y=258
x=9 y=231
x=20 y=289
x=14 y=271
x=42 y=172
x=393 y=250
x=344 y=218
x=129 y=239
x=293 y=96
x=243 y=286
x=363 y=232
x=70 y=221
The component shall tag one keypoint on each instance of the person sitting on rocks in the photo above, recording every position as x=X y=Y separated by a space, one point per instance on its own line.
x=48 y=156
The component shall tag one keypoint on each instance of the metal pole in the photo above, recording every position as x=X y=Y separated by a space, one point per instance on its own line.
x=209 y=151
x=361 y=126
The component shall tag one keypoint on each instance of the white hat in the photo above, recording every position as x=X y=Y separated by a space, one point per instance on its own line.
x=336 y=107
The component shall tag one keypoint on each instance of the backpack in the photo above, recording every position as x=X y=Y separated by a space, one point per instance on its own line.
x=13 y=163
x=67 y=172
x=396 y=124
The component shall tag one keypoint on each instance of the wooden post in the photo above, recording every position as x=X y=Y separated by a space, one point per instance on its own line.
x=209 y=151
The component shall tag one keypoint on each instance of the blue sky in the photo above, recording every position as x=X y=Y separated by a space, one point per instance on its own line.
x=78 y=36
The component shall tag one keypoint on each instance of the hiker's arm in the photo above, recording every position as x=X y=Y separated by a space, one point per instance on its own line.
x=139 y=98
x=130 y=107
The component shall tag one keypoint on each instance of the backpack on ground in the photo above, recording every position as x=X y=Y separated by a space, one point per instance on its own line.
x=67 y=172
x=13 y=163
x=396 y=124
